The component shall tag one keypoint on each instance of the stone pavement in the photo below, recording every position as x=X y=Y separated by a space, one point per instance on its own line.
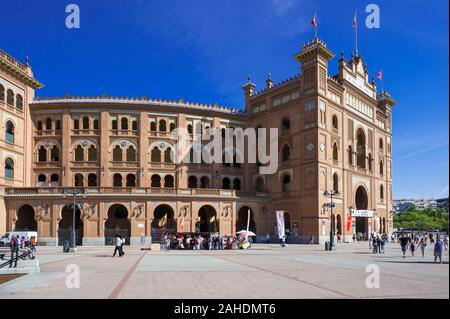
x=264 y=271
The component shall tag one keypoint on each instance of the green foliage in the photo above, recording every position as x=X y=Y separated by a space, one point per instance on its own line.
x=422 y=219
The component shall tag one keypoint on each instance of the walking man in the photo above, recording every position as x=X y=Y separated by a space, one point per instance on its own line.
x=118 y=246
x=404 y=244
x=438 y=247
x=14 y=246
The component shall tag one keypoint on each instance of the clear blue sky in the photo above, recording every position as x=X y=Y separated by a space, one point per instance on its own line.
x=203 y=50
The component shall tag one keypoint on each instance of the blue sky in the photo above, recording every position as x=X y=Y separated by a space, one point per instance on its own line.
x=203 y=50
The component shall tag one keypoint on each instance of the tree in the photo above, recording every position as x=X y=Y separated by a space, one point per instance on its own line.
x=415 y=219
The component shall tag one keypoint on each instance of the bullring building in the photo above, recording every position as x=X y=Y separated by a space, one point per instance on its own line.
x=335 y=133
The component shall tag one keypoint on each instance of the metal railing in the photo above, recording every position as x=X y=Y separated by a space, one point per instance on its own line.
x=24 y=254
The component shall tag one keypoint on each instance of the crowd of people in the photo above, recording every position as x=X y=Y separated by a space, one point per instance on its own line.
x=195 y=241
x=411 y=242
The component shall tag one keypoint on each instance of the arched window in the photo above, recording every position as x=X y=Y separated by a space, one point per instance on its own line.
x=41 y=179
x=286 y=153
x=54 y=180
x=58 y=125
x=9 y=168
x=2 y=93
x=189 y=128
x=286 y=187
x=54 y=154
x=335 y=182
x=381 y=192
x=95 y=124
x=156 y=155
x=10 y=97
x=168 y=181
x=92 y=154
x=380 y=144
x=226 y=183
x=9 y=132
x=369 y=161
x=48 y=124
x=162 y=126
x=114 y=125
x=76 y=124
x=131 y=154
x=361 y=149
x=259 y=184
x=117 y=154
x=167 y=158
x=350 y=155
x=335 y=122
x=335 y=152
x=42 y=157
x=134 y=125
x=153 y=126
x=19 y=102
x=78 y=180
x=39 y=125
x=156 y=180
x=92 y=179
x=204 y=182
x=381 y=168
x=131 y=180
x=117 y=180
x=237 y=184
x=172 y=127
x=79 y=154
x=85 y=123
x=124 y=123
x=285 y=124
x=192 y=182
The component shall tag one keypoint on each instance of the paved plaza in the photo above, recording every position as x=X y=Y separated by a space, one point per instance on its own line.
x=264 y=271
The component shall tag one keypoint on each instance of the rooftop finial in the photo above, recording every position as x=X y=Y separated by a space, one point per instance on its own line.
x=248 y=79
x=27 y=60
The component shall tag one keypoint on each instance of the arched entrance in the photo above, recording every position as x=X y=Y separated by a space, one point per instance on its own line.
x=242 y=218
x=25 y=219
x=361 y=201
x=163 y=221
x=117 y=223
x=65 y=225
x=207 y=220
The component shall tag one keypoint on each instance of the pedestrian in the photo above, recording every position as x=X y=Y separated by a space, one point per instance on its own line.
x=382 y=243
x=311 y=240
x=438 y=247
x=423 y=245
x=122 y=242
x=117 y=246
x=33 y=244
x=267 y=238
x=403 y=244
x=412 y=248
x=446 y=242
x=354 y=237
x=14 y=246
x=379 y=244
x=283 y=241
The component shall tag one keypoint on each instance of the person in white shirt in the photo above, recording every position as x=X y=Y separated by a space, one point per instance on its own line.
x=118 y=246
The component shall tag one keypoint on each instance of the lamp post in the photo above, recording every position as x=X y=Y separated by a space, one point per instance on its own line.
x=73 y=192
x=331 y=194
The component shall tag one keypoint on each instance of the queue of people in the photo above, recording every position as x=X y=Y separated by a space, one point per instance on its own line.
x=193 y=241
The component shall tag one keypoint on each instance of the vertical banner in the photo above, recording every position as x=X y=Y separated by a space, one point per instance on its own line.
x=280 y=223
x=349 y=223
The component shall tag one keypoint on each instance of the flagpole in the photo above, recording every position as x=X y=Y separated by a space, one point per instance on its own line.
x=356 y=34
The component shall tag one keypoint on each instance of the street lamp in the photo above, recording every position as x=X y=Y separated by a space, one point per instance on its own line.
x=73 y=192
x=331 y=194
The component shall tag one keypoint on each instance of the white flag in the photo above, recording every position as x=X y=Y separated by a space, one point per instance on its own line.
x=280 y=223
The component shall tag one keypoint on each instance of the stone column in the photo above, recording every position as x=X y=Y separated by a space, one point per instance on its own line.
x=104 y=178
x=66 y=178
x=143 y=178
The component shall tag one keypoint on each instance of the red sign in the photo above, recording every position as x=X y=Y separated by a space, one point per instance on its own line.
x=349 y=223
